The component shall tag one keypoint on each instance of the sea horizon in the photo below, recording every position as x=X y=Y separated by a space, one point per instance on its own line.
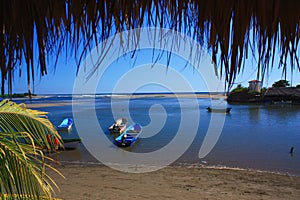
x=124 y=93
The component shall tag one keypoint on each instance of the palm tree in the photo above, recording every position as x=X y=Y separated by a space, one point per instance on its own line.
x=23 y=140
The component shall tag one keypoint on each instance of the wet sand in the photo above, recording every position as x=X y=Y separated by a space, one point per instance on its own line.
x=176 y=182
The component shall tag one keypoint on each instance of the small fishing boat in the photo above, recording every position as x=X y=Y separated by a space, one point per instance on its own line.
x=119 y=126
x=69 y=140
x=67 y=143
x=129 y=136
x=65 y=125
x=220 y=110
x=70 y=143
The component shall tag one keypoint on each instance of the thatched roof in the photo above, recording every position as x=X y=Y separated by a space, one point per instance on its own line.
x=231 y=29
x=282 y=91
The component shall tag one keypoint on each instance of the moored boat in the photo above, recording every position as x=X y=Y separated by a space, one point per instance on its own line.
x=129 y=136
x=220 y=110
x=119 y=126
x=65 y=125
x=69 y=140
x=70 y=143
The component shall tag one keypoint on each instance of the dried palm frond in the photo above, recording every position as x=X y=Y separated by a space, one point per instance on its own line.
x=224 y=27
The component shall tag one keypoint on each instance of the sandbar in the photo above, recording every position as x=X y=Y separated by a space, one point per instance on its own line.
x=41 y=105
x=180 y=95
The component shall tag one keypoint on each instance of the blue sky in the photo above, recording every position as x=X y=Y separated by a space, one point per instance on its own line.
x=60 y=80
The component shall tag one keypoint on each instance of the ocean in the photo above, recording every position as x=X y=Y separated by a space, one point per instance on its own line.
x=253 y=136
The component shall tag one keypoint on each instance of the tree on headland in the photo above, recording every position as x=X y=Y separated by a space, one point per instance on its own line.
x=281 y=83
x=240 y=88
x=23 y=137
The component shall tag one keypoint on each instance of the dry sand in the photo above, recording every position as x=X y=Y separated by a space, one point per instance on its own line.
x=176 y=182
x=41 y=105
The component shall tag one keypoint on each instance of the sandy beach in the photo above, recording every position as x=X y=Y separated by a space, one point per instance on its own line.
x=176 y=182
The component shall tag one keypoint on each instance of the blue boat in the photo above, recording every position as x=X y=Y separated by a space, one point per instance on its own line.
x=65 y=125
x=129 y=136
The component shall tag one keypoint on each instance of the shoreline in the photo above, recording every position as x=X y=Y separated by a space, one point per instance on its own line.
x=174 y=182
x=66 y=163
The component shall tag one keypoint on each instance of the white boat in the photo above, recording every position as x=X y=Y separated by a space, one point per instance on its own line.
x=118 y=126
x=65 y=125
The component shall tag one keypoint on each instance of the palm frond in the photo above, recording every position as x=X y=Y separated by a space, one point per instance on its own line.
x=17 y=118
x=23 y=137
x=223 y=26
x=23 y=168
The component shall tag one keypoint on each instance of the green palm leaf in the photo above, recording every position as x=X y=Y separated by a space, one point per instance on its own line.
x=16 y=118
x=23 y=136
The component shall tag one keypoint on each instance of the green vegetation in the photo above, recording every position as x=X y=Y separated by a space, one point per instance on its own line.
x=240 y=88
x=281 y=83
x=243 y=94
x=263 y=90
x=253 y=92
x=23 y=138
x=17 y=95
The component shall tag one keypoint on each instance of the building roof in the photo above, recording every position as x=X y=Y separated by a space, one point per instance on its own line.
x=254 y=81
x=282 y=91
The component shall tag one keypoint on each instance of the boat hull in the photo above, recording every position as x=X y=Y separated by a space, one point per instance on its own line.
x=129 y=136
x=70 y=143
x=219 y=110
x=65 y=125
x=124 y=144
